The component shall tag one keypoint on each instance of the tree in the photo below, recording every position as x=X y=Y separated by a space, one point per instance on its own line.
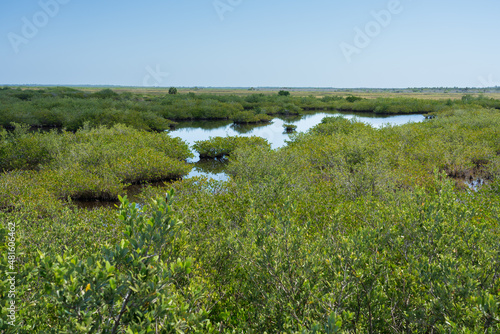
x=106 y=94
x=284 y=93
x=352 y=98
x=172 y=90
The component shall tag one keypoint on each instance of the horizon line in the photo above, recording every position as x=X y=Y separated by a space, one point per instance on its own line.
x=240 y=87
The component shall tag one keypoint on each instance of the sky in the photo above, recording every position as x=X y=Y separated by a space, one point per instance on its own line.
x=258 y=43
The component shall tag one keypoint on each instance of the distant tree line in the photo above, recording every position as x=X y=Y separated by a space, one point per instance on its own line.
x=70 y=108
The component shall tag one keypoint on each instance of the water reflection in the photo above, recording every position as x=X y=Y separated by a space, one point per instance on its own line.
x=191 y=131
x=212 y=168
x=246 y=128
x=203 y=125
x=133 y=193
x=202 y=130
x=273 y=132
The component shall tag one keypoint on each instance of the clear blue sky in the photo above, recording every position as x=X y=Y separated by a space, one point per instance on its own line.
x=246 y=43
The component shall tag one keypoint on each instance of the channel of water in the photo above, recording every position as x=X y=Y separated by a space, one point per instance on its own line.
x=192 y=131
x=273 y=132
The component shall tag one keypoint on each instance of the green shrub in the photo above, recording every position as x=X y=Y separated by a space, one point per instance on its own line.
x=218 y=147
x=245 y=117
x=70 y=108
x=290 y=128
x=352 y=98
x=290 y=109
x=105 y=94
x=20 y=149
x=136 y=284
x=94 y=163
x=347 y=229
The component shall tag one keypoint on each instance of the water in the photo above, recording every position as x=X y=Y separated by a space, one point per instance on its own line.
x=475 y=185
x=273 y=132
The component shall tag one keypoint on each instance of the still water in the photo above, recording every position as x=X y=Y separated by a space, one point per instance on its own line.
x=273 y=132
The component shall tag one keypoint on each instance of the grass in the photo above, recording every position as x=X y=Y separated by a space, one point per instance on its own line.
x=424 y=93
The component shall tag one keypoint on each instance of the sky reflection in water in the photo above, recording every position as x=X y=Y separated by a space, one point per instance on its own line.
x=273 y=132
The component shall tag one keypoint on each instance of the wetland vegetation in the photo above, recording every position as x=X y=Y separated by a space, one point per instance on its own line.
x=348 y=228
x=70 y=108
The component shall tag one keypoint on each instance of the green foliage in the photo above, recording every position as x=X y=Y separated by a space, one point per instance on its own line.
x=290 y=109
x=137 y=284
x=70 y=108
x=347 y=229
x=105 y=94
x=289 y=128
x=412 y=261
x=93 y=163
x=246 y=117
x=20 y=149
x=352 y=98
x=218 y=147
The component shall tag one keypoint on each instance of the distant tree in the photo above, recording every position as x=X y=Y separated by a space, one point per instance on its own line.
x=467 y=98
x=284 y=93
x=172 y=90
x=255 y=98
x=105 y=94
x=25 y=95
x=352 y=98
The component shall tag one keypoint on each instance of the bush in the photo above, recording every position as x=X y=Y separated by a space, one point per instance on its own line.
x=94 y=163
x=218 y=147
x=20 y=149
x=347 y=229
x=352 y=98
x=71 y=108
x=140 y=282
x=106 y=94
x=290 y=109
x=246 y=117
x=289 y=128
